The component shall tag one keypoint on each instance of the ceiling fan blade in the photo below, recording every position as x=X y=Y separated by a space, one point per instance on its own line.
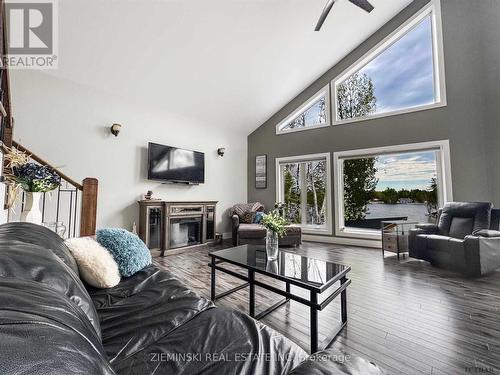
x=363 y=4
x=325 y=12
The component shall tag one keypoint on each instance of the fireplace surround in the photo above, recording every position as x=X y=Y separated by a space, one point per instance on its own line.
x=170 y=226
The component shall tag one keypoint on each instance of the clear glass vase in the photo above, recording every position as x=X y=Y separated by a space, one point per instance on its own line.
x=60 y=229
x=272 y=245
x=57 y=227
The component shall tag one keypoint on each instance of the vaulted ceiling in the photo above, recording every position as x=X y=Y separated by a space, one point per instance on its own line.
x=233 y=63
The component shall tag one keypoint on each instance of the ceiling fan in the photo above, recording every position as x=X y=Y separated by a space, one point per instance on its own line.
x=363 y=4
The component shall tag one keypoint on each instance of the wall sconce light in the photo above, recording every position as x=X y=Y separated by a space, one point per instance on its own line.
x=115 y=129
x=221 y=151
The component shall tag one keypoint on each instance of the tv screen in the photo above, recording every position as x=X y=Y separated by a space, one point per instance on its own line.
x=166 y=163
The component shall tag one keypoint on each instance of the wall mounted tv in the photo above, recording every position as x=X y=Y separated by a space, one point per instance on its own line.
x=172 y=164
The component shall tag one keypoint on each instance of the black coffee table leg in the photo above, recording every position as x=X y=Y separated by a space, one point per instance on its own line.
x=314 y=323
x=343 y=300
x=212 y=281
x=251 y=279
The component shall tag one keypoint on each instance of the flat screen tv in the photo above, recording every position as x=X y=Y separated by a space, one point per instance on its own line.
x=172 y=164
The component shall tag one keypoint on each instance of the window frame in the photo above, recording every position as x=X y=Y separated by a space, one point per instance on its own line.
x=279 y=189
x=325 y=91
x=433 y=9
x=443 y=161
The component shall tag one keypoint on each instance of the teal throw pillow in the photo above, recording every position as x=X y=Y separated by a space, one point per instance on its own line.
x=258 y=217
x=128 y=250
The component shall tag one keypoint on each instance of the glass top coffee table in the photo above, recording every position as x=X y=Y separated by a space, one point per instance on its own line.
x=314 y=275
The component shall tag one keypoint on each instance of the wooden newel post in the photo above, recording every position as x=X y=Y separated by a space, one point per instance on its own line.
x=89 y=207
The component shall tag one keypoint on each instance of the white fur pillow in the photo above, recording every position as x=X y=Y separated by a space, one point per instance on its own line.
x=96 y=265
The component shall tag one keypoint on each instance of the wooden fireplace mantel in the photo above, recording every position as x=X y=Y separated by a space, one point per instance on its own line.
x=169 y=225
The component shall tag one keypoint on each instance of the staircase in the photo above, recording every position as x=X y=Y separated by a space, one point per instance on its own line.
x=72 y=203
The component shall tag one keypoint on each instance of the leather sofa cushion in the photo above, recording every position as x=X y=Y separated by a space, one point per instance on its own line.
x=142 y=309
x=222 y=341
x=461 y=227
x=480 y=212
x=44 y=332
x=444 y=251
x=437 y=243
x=41 y=236
x=150 y=322
x=25 y=261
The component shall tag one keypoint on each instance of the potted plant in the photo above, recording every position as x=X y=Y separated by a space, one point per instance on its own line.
x=34 y=179
x=275 y=225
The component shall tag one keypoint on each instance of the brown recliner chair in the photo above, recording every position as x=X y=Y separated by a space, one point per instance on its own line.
x=245 y=232
x=466 y=239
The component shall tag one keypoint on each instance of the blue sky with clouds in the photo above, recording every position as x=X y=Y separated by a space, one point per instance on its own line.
x=403 y=73
x=406 y=171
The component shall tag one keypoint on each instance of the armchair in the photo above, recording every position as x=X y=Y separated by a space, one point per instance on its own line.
x=466 y=239
x=242 y=217
x=246 y=232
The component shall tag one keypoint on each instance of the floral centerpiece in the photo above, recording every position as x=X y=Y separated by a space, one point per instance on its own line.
x=34 y=179
x=275 y=225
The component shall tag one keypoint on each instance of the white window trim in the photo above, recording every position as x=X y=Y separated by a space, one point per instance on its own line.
x=445 y=191
x=433 y=9
x=279 y=191
x=325 y=91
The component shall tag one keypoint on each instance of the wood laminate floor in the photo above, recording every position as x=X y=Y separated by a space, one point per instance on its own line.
x=406 y=316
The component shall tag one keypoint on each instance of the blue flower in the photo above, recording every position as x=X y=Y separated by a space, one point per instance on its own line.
x=35 y=177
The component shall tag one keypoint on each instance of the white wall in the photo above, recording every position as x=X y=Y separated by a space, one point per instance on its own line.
x=67 y=124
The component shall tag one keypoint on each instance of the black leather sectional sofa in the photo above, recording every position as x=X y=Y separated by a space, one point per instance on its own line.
x=51 y=323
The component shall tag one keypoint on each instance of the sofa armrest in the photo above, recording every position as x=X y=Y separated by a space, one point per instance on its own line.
x=235 y=219
x=415 y=250
x=235 y=224
x=486 y=233
x=427 y=228
x=482 y=252
x=333 y=361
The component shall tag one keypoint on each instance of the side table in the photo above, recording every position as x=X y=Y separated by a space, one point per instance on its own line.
x=395 y=236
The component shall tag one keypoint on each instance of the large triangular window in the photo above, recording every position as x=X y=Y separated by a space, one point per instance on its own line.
x=403 y=74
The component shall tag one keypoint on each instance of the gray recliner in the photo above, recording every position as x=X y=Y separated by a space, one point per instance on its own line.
x=466 y=239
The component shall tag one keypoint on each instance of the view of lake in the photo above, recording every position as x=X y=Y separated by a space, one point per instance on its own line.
x=414 y=211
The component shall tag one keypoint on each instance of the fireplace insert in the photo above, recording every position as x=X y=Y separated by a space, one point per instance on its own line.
x=185 y=231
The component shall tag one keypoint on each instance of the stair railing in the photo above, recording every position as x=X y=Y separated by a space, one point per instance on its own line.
x=72 y=203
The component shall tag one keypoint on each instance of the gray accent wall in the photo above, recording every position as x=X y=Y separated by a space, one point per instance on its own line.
x=470 y=121
x=490 y=52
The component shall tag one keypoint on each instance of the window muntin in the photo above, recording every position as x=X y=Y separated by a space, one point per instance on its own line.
x=404 y=73
x=304 y=187
x=314 y=113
